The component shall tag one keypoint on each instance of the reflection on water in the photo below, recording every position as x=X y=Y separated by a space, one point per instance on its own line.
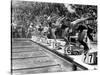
x=28 y=62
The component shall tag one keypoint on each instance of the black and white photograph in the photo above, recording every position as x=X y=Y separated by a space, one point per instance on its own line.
x=49 y=37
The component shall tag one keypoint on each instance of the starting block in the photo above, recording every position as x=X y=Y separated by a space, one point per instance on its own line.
x=43 y=40
x=54 y=44
x=72 y=50
x=90 y=58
